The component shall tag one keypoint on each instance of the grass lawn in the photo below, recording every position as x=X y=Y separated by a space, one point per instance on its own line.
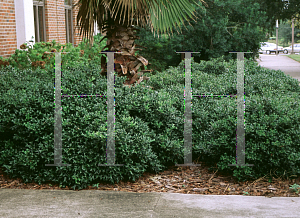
x=294 y=57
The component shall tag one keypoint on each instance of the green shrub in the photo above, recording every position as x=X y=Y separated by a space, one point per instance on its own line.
x=36 y=56
x=149 y=123
x=272 y=116
x=27 y=111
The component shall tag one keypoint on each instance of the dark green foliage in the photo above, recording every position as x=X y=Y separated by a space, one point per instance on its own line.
x=160 y=52
x=149 y=123
x=278 y=9
x=271 y=118
x=225 y=26
x=222 y=27
x=27 y=111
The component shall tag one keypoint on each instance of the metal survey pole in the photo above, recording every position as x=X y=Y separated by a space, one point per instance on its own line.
x=293 y=36
x=276 y=37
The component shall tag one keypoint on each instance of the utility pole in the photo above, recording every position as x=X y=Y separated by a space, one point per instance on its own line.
x=293 y=35
x=276 y=37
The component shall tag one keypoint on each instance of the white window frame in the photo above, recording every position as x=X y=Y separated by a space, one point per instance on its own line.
x=24 y=22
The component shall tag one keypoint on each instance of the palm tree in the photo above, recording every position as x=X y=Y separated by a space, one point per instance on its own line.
x=160 y=15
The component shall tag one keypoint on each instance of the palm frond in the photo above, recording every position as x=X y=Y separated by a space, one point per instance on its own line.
x=89 y=12
x=160 y=15
x=171 y=13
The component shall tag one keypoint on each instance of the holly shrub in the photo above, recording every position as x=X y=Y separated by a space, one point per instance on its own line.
x=149 y=123
x=272 y=115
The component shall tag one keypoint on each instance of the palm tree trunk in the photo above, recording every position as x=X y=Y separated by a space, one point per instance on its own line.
x=120 y=38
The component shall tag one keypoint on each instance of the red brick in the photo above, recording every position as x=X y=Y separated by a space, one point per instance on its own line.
x=54 y=19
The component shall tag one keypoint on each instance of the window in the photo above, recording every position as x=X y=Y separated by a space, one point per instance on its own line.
x=68 y=20
x=39 y=20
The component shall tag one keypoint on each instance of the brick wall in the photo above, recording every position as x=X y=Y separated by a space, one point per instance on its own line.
x=8 y=37
x=77 y=37
x=54 y=20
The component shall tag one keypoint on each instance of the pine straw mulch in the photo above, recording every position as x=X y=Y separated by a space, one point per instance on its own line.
x=187 y=180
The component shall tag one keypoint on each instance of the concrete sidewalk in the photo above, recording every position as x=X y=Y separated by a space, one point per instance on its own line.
x=280 y=62
x=96 y=203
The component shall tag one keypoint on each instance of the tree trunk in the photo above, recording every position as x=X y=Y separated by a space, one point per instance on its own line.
x=121 y=38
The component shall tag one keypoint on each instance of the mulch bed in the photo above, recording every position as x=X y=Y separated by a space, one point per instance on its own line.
x=186 y=180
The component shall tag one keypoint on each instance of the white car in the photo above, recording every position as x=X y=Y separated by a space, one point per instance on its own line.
x=264 y=46
x=287 y=50
x=269 y=47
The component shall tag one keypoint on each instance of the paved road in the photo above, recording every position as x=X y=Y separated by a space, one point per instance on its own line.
x=115 y=204
x=280 y=62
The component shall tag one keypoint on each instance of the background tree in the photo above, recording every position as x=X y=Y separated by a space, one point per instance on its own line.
x=160 y=15
x=296 y=27
x=232 y=25
x=161 y=52
x=285 y=34
x=296 y=21
x=236 y=25
x=278 y=9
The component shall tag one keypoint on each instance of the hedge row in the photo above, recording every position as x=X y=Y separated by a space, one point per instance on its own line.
x=149 y=123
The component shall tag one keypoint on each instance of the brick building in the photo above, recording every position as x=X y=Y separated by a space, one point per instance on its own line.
x=44 y=20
